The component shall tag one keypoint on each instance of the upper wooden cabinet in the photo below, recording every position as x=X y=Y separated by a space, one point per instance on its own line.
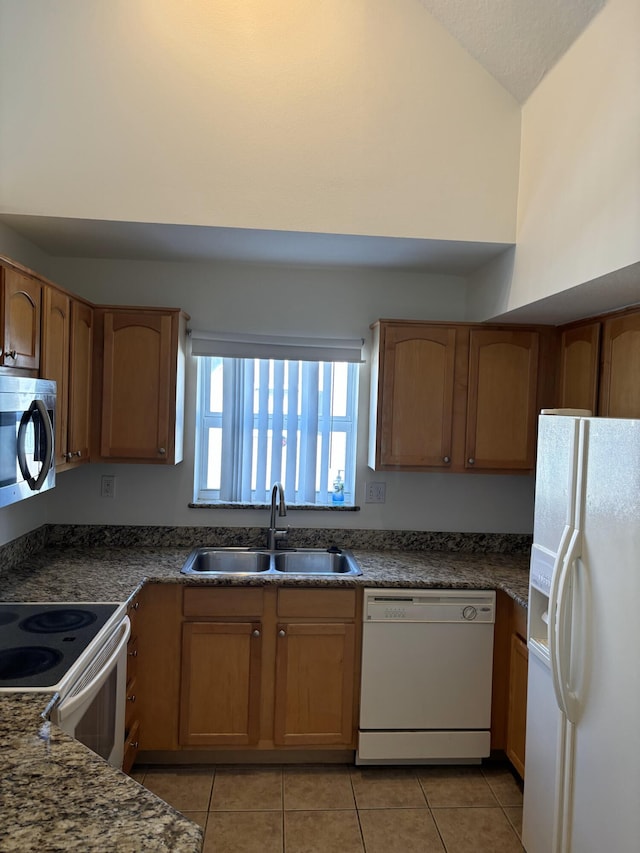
x=80 y=382
x=56 y=325
x=501 y=400
x=620 y=390
x=415 y=412
x=141 y=393
x=458 y=398
x=579 y=367
x=20 y=317
x=67 y=331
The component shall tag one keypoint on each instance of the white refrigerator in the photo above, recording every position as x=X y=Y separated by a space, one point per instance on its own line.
x=582 y=767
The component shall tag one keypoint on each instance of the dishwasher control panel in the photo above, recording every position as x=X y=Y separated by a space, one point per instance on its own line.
x=432 y=605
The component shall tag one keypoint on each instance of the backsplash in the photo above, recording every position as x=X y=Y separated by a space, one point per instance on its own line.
x=83 y=536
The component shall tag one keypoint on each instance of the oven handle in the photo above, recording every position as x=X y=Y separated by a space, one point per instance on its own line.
x=71 y=702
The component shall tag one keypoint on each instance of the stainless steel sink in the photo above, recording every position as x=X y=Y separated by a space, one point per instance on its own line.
x=227 y=561
x=315 y=562
x=247 y=561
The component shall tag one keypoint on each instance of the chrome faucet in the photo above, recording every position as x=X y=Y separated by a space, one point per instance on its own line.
x=276 y=534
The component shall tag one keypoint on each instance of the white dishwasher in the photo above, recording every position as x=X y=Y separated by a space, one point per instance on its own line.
x=427 y=659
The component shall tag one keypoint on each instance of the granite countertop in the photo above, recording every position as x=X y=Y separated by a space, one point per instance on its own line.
x=57 y=795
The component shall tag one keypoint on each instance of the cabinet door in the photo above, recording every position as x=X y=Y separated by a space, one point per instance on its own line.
x=80 y=381
x=517 y=719
x=220 y=696
x=21 y=306
x=55 y=361
x=138 y=386
x=620 y=396
x=501 y=415
x=579 y=367
x=416 y=395
x=314 y=684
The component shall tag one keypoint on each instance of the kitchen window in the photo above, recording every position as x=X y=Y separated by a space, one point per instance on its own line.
x=262 y=420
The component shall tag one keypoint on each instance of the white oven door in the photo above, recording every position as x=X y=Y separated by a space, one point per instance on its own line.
x=92 y=710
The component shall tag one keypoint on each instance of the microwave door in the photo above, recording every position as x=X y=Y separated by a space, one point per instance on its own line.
x=35 y=445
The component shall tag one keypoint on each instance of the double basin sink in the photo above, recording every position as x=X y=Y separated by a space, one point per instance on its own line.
x=252 y=561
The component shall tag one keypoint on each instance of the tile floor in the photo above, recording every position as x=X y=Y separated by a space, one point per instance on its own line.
x=346 y=809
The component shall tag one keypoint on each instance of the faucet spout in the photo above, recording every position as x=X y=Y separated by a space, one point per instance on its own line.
x=275 y=533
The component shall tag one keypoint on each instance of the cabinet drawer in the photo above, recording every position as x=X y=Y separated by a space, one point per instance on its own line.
x=223 y=601
x=131 y=706
x=131 y=745
x=317 y=603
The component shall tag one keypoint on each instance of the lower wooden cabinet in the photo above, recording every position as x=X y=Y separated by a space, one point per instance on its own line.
x=316 y=671
x=220 y=694
x=268 y=668
x=510 y=674
x=517 y=716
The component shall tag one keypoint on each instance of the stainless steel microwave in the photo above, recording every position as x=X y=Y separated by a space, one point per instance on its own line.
x=27 y=418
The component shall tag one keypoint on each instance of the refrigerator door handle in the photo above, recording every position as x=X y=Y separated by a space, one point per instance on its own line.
x=563 y=648
x=556 y=580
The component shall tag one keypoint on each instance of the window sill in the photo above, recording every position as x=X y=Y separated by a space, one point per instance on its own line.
x=290 y=507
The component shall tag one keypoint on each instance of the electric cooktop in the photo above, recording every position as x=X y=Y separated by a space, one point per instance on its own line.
x=39 y=643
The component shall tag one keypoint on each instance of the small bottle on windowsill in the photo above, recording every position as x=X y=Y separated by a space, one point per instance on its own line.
x=338 y=489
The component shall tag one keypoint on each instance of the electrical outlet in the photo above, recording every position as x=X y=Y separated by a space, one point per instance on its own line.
x=108 y=486
x=375 y=493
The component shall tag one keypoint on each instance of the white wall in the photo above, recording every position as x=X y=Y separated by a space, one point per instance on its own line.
x=579 y=191
x=346 y=116
x=298 y=301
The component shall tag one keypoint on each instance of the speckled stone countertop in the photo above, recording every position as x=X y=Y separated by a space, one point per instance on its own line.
x=56 y=794
x=115 y=574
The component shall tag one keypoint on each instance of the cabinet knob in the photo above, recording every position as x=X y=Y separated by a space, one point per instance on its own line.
x=446 y=459
x=133 y=743
x=133 y=654
x=282 y=633
x=136 y=605
x=255 y=633
x=471 y=460
x=162 y=451
x=132 y=698
x=11 y=353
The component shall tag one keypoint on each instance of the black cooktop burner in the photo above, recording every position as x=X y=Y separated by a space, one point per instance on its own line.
x=52 y=621
x=26 y=661
x=61 y=633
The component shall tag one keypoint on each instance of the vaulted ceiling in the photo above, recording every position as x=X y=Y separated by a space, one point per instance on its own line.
x=517 y=41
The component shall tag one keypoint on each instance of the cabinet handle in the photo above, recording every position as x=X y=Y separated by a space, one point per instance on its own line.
x=446 y=459
x=133 y=743
x=282 y=633
x=132 y=698
x=11 y=354
x=471 y=460
x=133 y=654
x=135 y=606
x=162 y=451
x=255 y=633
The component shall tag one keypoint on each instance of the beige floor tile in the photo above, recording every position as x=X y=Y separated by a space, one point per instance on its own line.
x=382 y=788
x=400 y=831
x=243 y=832
x=504 y=784
x=198 y=817
x=452 y=787
x=183 y=788
x=322 y=832
x=317 y=788
x=476 y=830
x=247 y=789
x=514 y=814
